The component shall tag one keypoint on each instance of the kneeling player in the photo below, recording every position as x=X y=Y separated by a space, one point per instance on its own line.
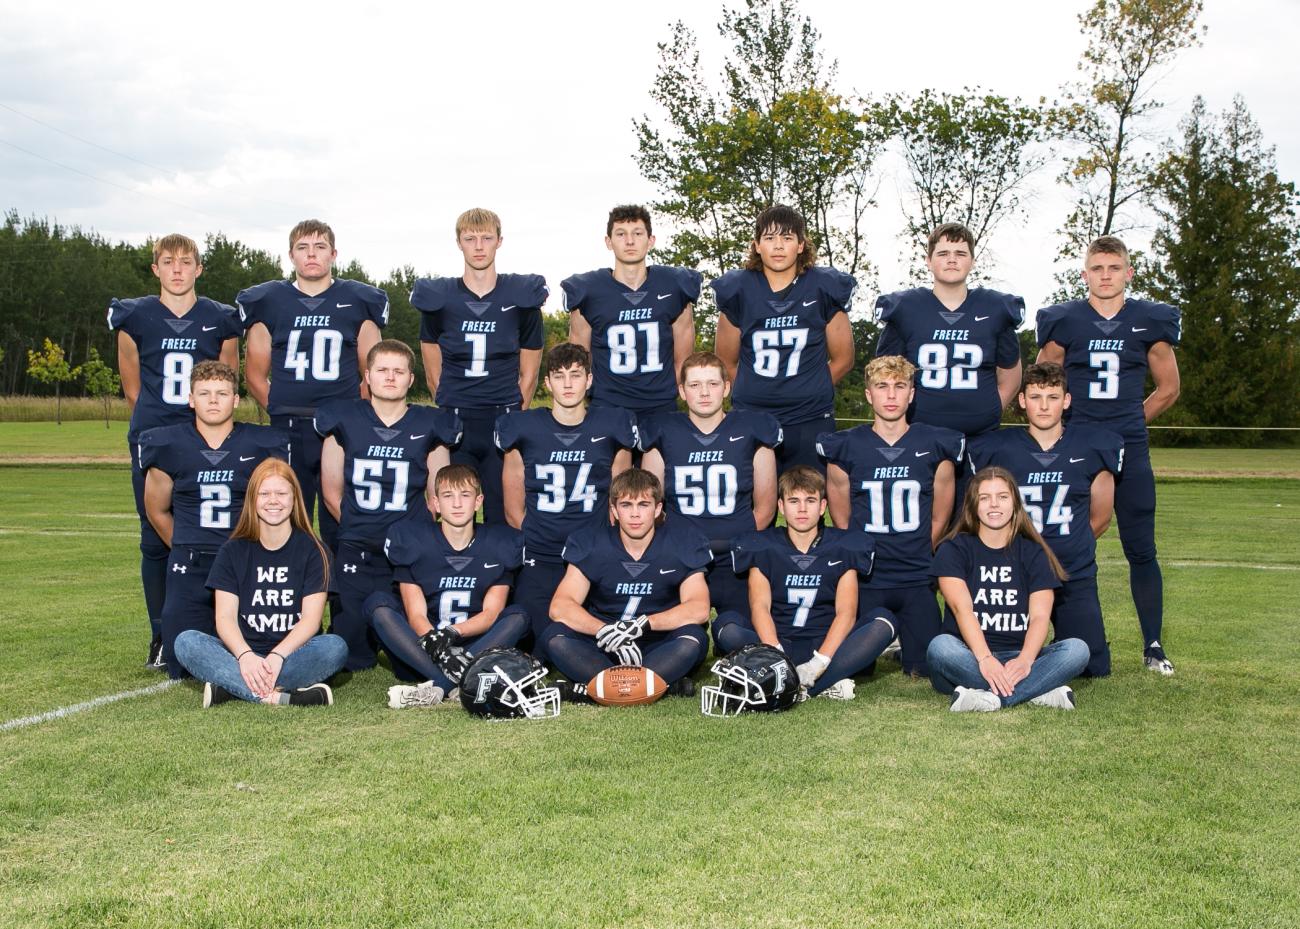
x=195 y=476
x=632 y=594
x=454 y=579
x=803 y=592
x=1067 y=482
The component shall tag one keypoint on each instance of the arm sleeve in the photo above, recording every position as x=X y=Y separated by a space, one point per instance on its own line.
x=250 y=308
x=694 y=551
x=649 y=433
x=1168 y=322
x=1109 y=450
x=863 y=553
x=952 y=446
x=890 y=341
x=376 y=301
x=626 y=434
x=448 y=429
x=577 y=548
x=153 y=451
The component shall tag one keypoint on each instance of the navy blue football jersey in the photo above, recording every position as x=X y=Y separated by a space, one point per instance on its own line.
x=1000 y=581
x=623 y=587
x=803 y=583
x=566 y=470
x=208 y=484
x=313 y=339
x=454 y=581
x=385 y=468
x=632 y=333
x=709 y=478
x=1106 y=359
x=784 y=363
x=1056 y=484
x=270 y=584
x=892 y=493
x=956 y=352
x=169 y=346
x=480 y=337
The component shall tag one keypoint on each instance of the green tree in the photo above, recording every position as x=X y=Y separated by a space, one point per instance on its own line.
x=1107 y=117
x=49 y=366
x=776 y=132
x=968 y=156
x=1227 y=251
x=229 y=266
x=100 y=380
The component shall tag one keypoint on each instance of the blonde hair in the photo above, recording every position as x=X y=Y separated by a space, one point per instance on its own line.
x=889 y=366
x=478 y=220
x=176 y=244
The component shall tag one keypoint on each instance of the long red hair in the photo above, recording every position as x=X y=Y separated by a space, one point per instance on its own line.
x=249 y=527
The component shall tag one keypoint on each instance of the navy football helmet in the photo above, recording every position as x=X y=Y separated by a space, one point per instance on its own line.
x=757 y=677
x=503 y=683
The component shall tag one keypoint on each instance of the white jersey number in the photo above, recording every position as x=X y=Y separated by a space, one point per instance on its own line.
x=326 y=355
x=963 y=372
x=904 y=510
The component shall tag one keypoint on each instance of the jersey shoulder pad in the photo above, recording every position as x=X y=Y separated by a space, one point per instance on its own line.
x=620 y=423
x=155 y=445
x=764 y=427
x=835 y=285
x=579 y=546
x=860 y=546
x=1166 y=322
x=506 y=433
x=575 y=289
x=120 y=310
x=1049 y=323
x=1015 y=308
x=688 y=281
x=525 y=290
x=688 y=544
x=726 y=289
x=430 y=294
x=231 y=318
x=986 y=449
x=651 y=429
x=252 y=301
x=374 y=299
x=1106 y=447
x=950 y=442
x=504 y=541
x=831 y=445
x=267 y=437
x=402 y=544
x=745 y=548
x=329 y=416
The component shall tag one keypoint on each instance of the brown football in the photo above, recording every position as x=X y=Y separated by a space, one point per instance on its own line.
x=626 y=685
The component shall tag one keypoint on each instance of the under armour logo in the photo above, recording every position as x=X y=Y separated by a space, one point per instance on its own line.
x=180 y=568
x=349 y=569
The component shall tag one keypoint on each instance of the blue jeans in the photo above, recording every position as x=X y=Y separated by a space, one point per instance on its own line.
x=208 y=659
x=953 y=664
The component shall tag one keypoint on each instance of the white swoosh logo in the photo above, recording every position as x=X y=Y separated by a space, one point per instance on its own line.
x=980 y=319
x=1075 y=460
x=600 y=438
x=420 y=436
x=249 y=458
x=507 y=309
x=208 y=328
x=809 y=302
x=735 y=438
x=342 y=306
x=664 y=296
x=1136 y=329
x=486 y=565
x=831 y=564
x=921 y=454
x=669 y=571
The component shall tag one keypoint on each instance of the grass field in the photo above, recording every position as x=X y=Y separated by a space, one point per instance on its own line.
x=1160 y=802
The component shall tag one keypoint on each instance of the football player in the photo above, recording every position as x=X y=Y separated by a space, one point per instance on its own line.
x=637 y=320
x=718 y=468
x=481 y=337
x=1067 y=482
x=195 y=477
x=962 y=341
x=998 y=579
x=159 y=340
x=454 y=579
x=1107 y=345
x=558 y=465
x=378 y=455
x=803 y=592
x=632 y=594
x=895 y=480
x=784 y=334
x=307 y=343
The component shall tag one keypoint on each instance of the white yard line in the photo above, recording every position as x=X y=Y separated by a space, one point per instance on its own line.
x=24 y=721
x=13 y=530
x=1213 y=564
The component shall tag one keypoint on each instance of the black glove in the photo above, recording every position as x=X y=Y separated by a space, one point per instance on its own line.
x=438 y=642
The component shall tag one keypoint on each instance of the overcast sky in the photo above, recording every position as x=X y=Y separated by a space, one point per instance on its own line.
x=140 y=119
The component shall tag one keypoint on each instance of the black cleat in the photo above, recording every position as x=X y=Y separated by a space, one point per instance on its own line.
x=682 y=687
x=573 y=693
x=155 y=661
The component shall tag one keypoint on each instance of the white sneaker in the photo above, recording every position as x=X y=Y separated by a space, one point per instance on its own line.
x=972 y=700
x=402 y=696
x=843 y=689
x=1059 y=698
x=1156 y=660
x=893 y=651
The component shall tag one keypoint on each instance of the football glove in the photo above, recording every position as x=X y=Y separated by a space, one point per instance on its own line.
x=613 y=635
x=455 y=663
x=812 y=669
x=437 y=642
x=629 y=653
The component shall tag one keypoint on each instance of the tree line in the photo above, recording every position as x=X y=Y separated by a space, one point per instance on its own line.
x=773 y=127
